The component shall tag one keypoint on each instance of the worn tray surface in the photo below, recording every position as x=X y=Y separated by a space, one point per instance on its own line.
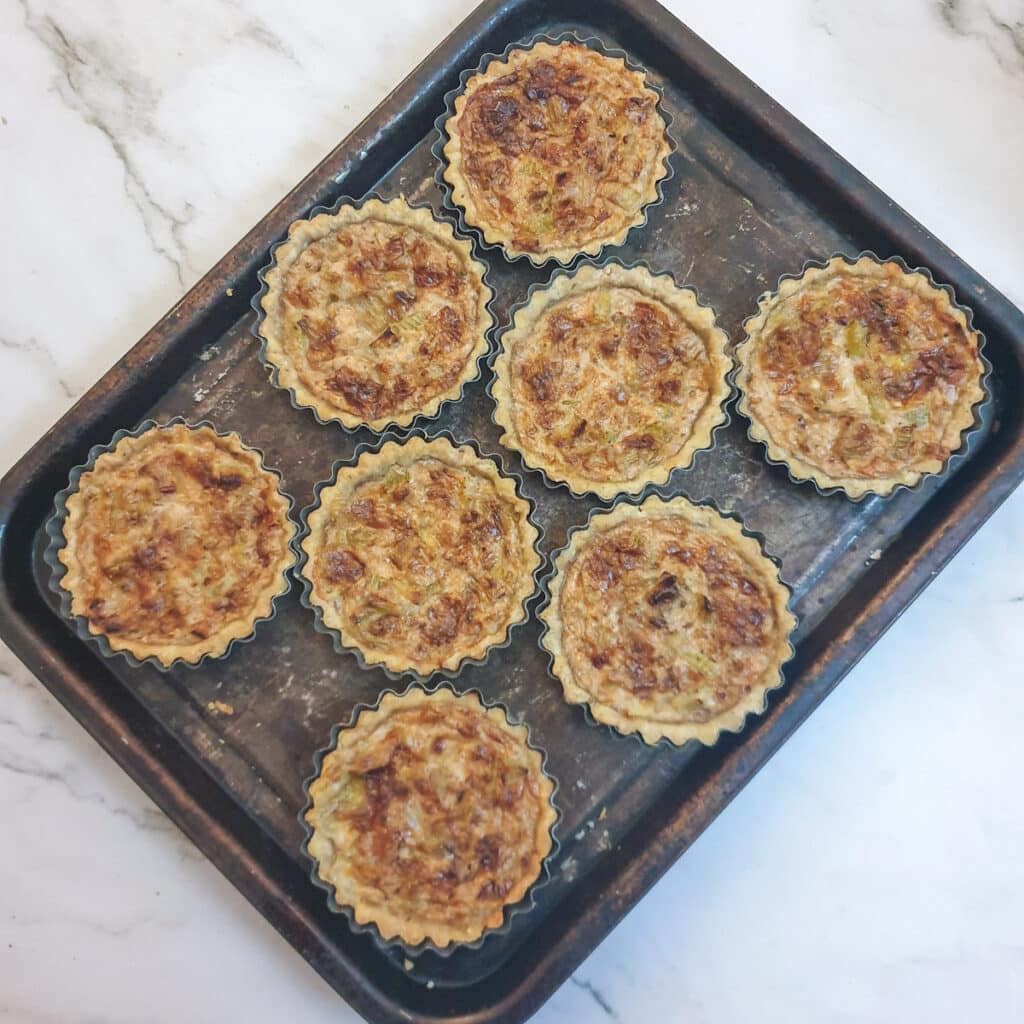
x=730 y=225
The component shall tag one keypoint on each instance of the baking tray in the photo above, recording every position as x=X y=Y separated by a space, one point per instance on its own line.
x=753 y=196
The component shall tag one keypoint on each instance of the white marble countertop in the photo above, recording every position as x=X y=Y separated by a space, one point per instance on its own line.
x=873 y=871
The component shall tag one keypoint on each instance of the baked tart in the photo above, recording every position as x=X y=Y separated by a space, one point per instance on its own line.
x=430 y=816
x=667 y=620
x=176 y=541
x=374 y=314
x=555 y=150
x=420 y=556
x=860 y=375
x=610 y=378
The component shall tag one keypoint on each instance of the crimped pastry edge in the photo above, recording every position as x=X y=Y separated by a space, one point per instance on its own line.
x=662 y=287
x=321 y=222
x=546 y=832
x=366 y=463
x=449 y=148
x=966 y=418
x=650 y=732
x=65 y=571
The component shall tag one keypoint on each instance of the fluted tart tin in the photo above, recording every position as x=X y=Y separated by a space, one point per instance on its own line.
x=903 y=363
x=667 y=620
x=157 y=562
x=420 y=555
x=634 y=120
x=373 y=313
x=610 y=377
x=418 y=753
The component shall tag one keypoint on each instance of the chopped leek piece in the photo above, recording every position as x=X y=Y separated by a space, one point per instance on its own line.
x=395 y=475
x=353 y=792
x=412 y=322
x=919 y=416
x=543 y=223
x=373 y=612
x=856 y=340
x=904 y=435
x=877 y=404
x=700 y=663
x=603 y=305
x=657 y=430
x=428 y=539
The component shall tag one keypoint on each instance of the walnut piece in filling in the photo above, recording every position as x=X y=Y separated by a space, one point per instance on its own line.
x=610 y=378
x=555 y=150
x=860 y=376
x=430 y=816
x=668 y=621
x=375 y=314
x=177 y=542
x=421 y=555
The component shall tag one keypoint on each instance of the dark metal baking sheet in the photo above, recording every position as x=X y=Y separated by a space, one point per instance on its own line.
x=753 y=196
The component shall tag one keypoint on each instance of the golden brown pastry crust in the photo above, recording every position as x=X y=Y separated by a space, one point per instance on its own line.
x=421 y=555
x=860 y=376
x=430 y=816
x=375 y=314
x=177 y=542
x=611 y=378
x=555 y=150
x=668 y=621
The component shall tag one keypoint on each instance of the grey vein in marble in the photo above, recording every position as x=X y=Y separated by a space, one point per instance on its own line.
x=53 y=769
x=597 y=995
x=84 y=77
x=1002 y=30
x=257 y=32
x=36 y=349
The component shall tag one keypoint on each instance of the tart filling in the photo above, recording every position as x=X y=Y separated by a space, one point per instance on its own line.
x=555 y=150
x=177 y=542
x=375 y=314
x=421 y=555
x=430 y=816
x=668 y=621
x=610 y=378
x=861 y=376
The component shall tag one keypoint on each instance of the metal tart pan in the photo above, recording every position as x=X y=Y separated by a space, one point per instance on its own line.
x=55 y=532
x=968 y=437
x=395 y=948
x=437 y=148
x=678 y=474
x=301 y=559
x=636 y=500
x=273 y=370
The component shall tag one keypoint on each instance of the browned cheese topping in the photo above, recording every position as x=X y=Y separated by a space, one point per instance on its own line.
x=667 y=614
x=608 y=383
x=562 y=151
x=861 y=377
x=434 y=815
x=379 y=318
x=179 y=540
x=423 y=560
